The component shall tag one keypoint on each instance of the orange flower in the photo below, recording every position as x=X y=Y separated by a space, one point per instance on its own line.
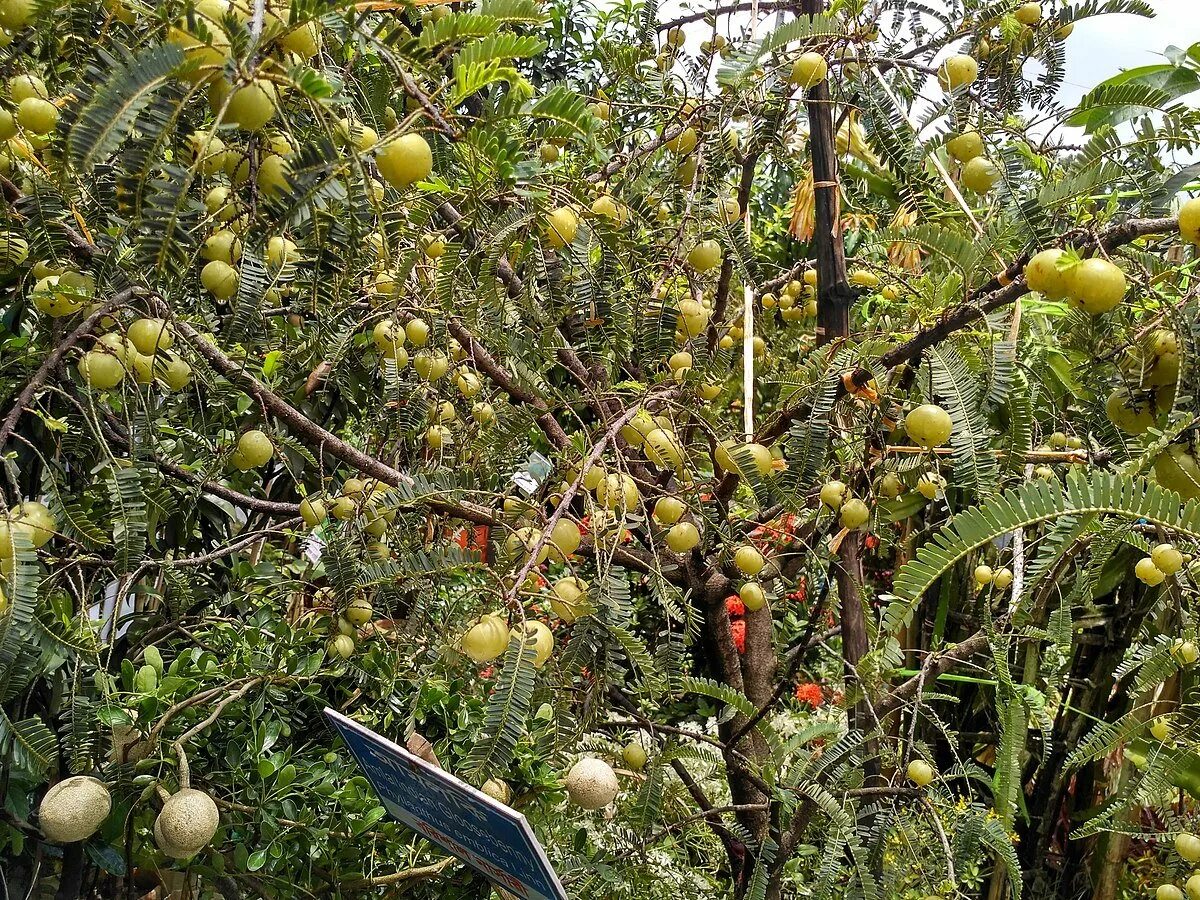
x=810 y=693
x=738 y=628
x=734 y=606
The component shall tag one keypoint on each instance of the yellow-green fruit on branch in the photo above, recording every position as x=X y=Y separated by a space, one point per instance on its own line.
x=74 y=809
x=486 y=639
x=101 y=369
x=405 y=160
x=682 y=537
x=187 y=823
x=1096 y=285
x=1043 y=275
x=592 y=783
x=704 y=255
x=562 y=225
x=539 y=637
x=1177 y=470
x=980 y=175
x=1189 y=221
x=252 y=106
x=965 y=147
x=634 y=755
x=809 y=70
x=36 y=520
x=957 y=71
x=920 y=772
x=254 y=448
x=150 y=335
x=569 y=599
x=928 y=425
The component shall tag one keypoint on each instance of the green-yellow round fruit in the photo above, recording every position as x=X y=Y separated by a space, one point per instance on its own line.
x=405 y=160
x=101 y=370
x=928 y=425
x=965 y=147
x=809 y=70
x=1043 y=275
x=1096 y=285
x=255 y=448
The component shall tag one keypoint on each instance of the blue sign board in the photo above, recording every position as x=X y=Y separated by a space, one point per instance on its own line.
x=492 y=838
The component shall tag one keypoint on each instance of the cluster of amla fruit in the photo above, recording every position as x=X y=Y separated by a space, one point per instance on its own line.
x=143 y=351
x=1164 y=560
x=346 y=621
x=1188 y=847
x=489 y=637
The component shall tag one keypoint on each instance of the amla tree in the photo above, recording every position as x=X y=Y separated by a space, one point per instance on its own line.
x=791 y=422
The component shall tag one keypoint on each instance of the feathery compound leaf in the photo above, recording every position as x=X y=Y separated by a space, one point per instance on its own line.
x=507 y=711
x=954 y=384
x=106 y=121
x=1103 y=493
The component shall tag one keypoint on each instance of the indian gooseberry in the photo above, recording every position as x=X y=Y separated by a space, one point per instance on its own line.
x=252 y=105
x=984 y=575
x=342 y=646
x=417 y=332
x=569 y=598
x=1168 y=892
x=483 y=413
x=100 y=369
x=1096 y=285
x=931 y=485
x=565 y=538
x=928 y=425
x=562 y=224
x=682 y=537
x=1161 y=729
x=176 y=374
x=405 y=160
x=1177 y=470
x=21 y=87
x=920 y=773
x=965 y=147
x=634 y=756
x=313 y=511
x=890 y=485
x=1042 y=274
x=358 y=611
x=1188 y=846
x=220 y=279
x=808 y=70
x=548 y=153
x=682 y=143
x=833 y=493
x=748 y=560
x=1167 y=558
x=704 y=255
x=663 y=449
x=751 y=594
x=1148 y=573
x=1189 y=224
x=617 y=490
x=1029 y=13
x=254 y=449
x=854 y=514
x=542 y=640
x=669 y=510
x=1004 y=578
x=15 y=14
x=1132 y=415
x=37 y=115
x=486 y=639
x=957 y=71
x=980 y=174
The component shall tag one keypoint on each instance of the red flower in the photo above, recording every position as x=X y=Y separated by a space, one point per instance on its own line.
x=870 y=542
x=734 y=606
x=584 y=524
x=810 y=693
x=739 y=635
x=487 y=673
